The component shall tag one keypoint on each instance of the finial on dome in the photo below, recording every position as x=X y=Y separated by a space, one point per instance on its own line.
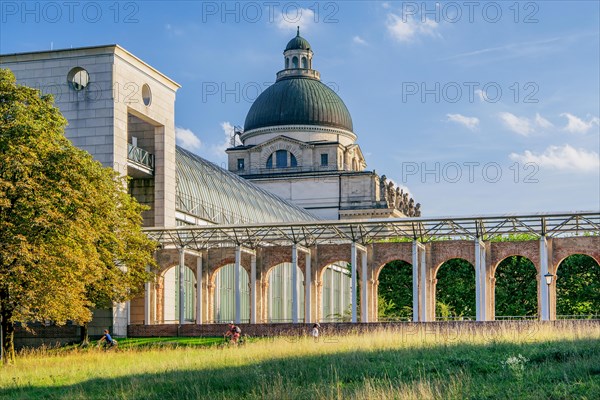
x=298 y=33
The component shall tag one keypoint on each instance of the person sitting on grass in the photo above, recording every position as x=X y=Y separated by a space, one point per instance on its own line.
x=107 y=339
x=234 y=332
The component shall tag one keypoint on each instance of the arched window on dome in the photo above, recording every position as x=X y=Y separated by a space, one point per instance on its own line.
x=304 y=63
x=283 y=159
x=295 y=62
x=287 y=63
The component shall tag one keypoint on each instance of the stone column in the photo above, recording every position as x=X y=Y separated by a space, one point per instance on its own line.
x=147 y=303
x=253 y=287
x=181 y=285
x=353 y=260
x=481 y=299
x=295 y=302
x=544 y=289
x=364 y=304
x=199 y=301
x=236 y=284
x=307 y=289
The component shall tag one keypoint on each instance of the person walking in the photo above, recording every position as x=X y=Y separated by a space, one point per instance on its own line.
x=315 y=332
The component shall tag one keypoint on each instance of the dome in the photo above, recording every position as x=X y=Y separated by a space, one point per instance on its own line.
x=298 y=101
x=298 y=43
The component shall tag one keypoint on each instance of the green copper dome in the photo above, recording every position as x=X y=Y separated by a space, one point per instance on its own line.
x=298 y=101
x=298 y=43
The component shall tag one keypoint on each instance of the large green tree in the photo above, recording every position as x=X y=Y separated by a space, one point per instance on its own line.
x=395 y=291
x=70 y=235
x=516 y=287
x=578 y=286
x=455 y=289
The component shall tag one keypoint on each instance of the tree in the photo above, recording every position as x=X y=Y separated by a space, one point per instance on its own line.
x=70 y=235
x=455 y=288
x=516 y=287
x=578 y=286
x=395 y=291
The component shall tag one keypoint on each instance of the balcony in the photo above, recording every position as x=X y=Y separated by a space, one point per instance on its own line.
x=140 y=159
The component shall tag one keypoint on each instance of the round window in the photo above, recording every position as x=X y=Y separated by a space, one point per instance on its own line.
x=146 y=94
x=78 y=78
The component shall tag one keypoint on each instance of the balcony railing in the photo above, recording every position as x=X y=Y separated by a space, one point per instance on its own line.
x=140 y=157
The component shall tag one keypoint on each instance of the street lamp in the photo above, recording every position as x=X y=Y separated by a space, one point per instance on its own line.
x=548 y=278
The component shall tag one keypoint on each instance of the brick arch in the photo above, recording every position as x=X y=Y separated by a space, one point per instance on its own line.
x=384 y=253
x=272 y=257
x=501 y=250
x=437 y=268
x=565 y=247
x=167 y=259
x=573 y=254
x=321 y=271
x=495 y=266
x=446 y=251
x=226 y=261
x=380 y=268
x=328 y=254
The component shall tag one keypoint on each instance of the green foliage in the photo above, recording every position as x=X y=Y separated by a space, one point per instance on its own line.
x=395 y=291
x=70 y=234
x=514 y=237
x=456 y=287
x=516 y=287
x=578 y=286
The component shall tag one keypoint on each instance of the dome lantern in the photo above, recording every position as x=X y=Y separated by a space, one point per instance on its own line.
x=298 y=97
x=298 y=56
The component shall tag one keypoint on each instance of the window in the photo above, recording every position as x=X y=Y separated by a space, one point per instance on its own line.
x=283 y=159
x=146 y=94
x=240 y=164
x=324 y=160
x=295 y=62
x=78 y=78
x=287 y=63
x=304 y=63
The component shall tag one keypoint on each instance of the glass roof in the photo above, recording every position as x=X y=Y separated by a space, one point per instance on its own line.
x=211 y=193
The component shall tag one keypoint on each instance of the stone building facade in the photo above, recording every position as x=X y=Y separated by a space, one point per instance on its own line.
x=298 y=142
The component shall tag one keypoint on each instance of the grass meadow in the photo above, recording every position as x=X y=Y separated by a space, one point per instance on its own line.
x=492 y=362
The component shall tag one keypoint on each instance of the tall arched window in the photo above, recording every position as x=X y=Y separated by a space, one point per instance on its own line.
x=295 y=62
x=304 y=63
x=287 y=63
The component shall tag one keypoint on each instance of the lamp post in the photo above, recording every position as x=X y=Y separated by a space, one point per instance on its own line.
x=549 y=278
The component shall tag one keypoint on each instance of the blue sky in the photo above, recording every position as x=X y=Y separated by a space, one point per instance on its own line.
x=476 y=107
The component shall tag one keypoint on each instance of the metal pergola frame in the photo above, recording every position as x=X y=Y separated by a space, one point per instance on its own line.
x=370 y=231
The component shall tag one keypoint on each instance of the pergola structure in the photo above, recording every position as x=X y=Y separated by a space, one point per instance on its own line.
x=416 y=238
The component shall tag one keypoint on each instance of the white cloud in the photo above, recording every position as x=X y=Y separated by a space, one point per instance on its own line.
x=481 y=94
x=577 y=125
x=406 y=29
x=470 y=122
x=385 y=5
x=186 y=138
x=293 y=17
x=359 y=40
x=562 y=158
x=520 y=125
x=173 y=30
x=219 y=149
x=543 y=122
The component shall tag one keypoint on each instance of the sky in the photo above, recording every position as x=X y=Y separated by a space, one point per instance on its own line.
x=477 y=108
